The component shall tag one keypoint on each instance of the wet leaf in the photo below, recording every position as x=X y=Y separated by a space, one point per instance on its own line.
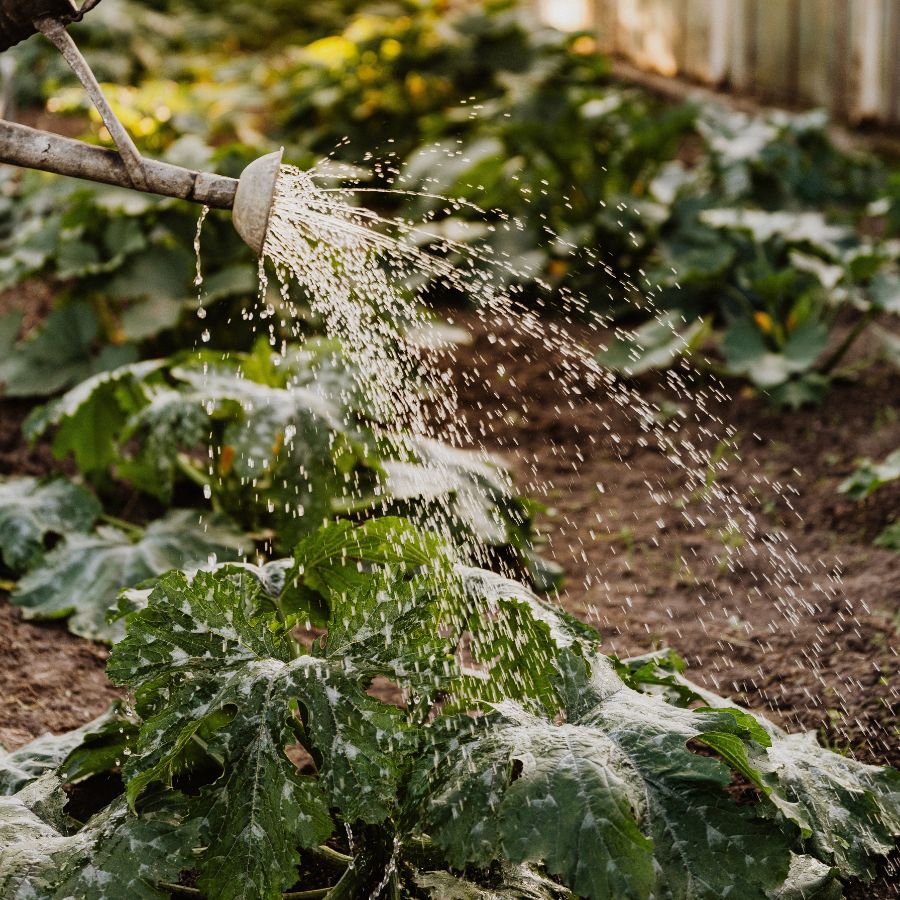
x=31 y=510
x=89 y=417
x=613 y=801
x=80 y=578
x=117 y=854
x=196 y=653
x=849 y=810
x=46 y=753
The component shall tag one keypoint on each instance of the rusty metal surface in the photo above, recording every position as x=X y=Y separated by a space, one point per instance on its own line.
x=33 y=149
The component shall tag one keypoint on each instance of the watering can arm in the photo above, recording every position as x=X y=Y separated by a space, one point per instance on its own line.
x=33 y=149
x=56 y=33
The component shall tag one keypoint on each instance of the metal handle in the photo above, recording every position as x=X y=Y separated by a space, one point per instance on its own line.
x=33 y=149
x=56 y=33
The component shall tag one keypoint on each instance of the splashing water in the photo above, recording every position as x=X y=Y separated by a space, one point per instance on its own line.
x=368 y=278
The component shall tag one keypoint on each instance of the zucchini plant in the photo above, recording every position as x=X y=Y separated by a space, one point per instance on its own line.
x=868 y=478
x=445 y=734
x=252 y=448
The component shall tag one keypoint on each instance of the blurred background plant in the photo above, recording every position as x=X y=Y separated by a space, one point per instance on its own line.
x=758 y=228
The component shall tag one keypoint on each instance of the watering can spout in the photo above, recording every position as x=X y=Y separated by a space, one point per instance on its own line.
x=254 y=199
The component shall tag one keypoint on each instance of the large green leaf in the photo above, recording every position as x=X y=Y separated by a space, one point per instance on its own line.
x=339 y=557
x=747 y=352
x=849 y=810
x=870 y=476
x=46 y=753
x=89 y=417
x=613 y=801
x=654 y=345
x=116 y=855
x=60 y=354
x=464 y=493
x=31 y=510
x=809 y=228
x=80 y=578
x=396 y=604
x=200 y=661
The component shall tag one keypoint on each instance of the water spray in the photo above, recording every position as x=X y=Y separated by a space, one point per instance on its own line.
x=249 y=198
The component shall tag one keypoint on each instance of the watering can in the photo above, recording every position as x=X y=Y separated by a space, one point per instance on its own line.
x=250 y=197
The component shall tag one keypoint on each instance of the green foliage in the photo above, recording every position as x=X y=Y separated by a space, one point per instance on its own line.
x=30 y=511
x=115 y=854
x=81 y=577
x=756 y=215
x=48 y=752
x=513 y=756
x=575 y=779
x=618 y=764
x=654 y=345
x=870 y=476
x=65 y=351
x=281 y=443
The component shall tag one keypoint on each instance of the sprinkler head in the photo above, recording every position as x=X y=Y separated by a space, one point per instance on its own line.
x=254 y=199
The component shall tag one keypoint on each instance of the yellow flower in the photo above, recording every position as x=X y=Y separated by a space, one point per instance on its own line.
x=391 y=49
x=226 y=459
x=416 y=85
x=763 y=322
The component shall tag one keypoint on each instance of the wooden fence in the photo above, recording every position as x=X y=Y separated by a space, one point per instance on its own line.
x=843 y=55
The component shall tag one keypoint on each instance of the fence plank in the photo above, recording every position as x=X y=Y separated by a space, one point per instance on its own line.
x=816 y=52
x=697 y=40
x=649 y=33
x=743 y=46
x=773 y=48
x=841 y=54
x=866 y=43
x=890 y=72
x=605 y=15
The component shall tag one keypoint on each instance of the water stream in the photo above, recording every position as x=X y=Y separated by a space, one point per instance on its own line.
x=369 y=279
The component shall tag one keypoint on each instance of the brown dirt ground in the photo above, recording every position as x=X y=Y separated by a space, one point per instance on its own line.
x=640 y=573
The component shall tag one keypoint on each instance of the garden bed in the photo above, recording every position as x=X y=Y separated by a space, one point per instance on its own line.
x=639 y=597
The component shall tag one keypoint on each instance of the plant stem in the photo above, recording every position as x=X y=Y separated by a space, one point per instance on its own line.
x=198 y=477
x=190 y=471
x=132 y=530
x=335 y=856
x=839 y=353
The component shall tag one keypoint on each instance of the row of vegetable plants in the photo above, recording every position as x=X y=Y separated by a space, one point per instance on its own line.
x=528 y=766
x=758 y=227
